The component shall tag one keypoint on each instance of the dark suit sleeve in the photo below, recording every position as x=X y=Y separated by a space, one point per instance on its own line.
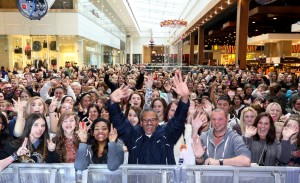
x=110 y=85
x=139 y=82
x=32 y=93
x=125 y=130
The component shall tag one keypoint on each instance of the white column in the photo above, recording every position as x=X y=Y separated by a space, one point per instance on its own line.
x=131 y=50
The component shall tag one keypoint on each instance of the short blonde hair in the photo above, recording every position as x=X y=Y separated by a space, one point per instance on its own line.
x=242 y=123
x=271 y=105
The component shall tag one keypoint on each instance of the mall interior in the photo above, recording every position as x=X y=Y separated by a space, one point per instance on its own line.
x=166 y=32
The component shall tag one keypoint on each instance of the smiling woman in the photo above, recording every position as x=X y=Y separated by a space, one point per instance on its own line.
x=67 y=143
x=104 y=147
x=34 y=105
x=31 y=146
x=261 y=141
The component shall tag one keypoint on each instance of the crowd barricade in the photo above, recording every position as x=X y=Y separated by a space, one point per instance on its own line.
x=65 y=173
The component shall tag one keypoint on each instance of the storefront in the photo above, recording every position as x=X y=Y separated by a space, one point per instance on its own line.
x=52 y=52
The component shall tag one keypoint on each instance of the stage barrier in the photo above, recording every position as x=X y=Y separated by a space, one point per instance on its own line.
x=65 y=173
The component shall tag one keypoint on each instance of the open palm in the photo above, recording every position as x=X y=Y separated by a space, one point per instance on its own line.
x=180 y=86
x=119 y=94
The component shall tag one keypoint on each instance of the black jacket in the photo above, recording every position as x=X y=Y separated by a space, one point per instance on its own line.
x=158 y=149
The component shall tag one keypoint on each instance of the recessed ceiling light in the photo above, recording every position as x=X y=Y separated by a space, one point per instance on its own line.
x=274 y=18
x=253 y=22
x=256 y=30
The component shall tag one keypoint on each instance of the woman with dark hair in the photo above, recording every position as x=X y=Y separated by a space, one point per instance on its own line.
x=238 y=105
x=104 y=147
x=160 y=106
x=31 y=146
x=133 y=115
x=135 y=99
x=1 y=95
x=248 y=89
x=4 y=132
x=93 y=112
x=25 y=95
x=261 y=141
x=170 y=111
x=104 y=113
x=83 y=101
x=68 y=99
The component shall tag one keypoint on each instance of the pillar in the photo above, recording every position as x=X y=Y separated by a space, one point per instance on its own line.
x=284 y=48
x=242 y=32
x=192 y=50
x=131 y=51
x=200 y=55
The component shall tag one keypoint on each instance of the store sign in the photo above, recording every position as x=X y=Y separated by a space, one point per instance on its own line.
x=289 y=60
x=90 y=49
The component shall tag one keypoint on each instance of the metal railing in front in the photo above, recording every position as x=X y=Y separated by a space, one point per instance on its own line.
x=65 y=173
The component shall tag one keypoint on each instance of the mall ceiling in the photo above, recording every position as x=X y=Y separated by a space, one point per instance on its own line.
x=276 y=17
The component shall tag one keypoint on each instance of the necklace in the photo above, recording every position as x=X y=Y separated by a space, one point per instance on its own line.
x=218 y=136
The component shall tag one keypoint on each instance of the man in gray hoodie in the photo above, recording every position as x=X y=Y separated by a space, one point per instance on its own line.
x=220 y=145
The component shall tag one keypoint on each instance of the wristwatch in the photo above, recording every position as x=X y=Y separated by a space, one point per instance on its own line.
x=221 y=161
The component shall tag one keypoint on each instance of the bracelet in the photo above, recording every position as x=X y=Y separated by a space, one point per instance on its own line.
x=15 y=156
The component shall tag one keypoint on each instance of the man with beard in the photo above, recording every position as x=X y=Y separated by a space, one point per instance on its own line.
x=150 y=143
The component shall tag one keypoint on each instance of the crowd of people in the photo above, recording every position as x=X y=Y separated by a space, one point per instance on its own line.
x=124 y=114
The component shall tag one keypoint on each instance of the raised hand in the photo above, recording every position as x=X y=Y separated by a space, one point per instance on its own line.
x=53 y=105
x=250 y=131
x=283 y=118
x=18 y=106
x=197 y=122
x=54 y=82
x=119 y=94
x=51 y=145
x=181 y=86
x=149 y=82
x=113 y=134
x=207 y=107
x=82 y=133
x=23 y=149
x=29 y=79
x=288 y=132
x=198 y=149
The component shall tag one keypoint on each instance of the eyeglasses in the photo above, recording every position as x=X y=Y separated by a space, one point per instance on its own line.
x=149 y=120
